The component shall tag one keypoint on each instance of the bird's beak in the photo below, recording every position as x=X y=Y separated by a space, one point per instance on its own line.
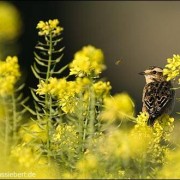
x=142 y=73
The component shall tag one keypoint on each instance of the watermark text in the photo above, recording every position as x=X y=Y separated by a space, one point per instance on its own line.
x=17 y=175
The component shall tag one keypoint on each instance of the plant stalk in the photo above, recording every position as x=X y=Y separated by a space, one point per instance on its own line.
x=48 y=101
x=14 y=129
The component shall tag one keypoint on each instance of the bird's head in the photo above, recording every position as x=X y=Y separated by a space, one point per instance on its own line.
x=153 y=74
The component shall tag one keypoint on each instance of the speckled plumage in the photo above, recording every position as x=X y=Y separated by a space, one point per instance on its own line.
x=158 y=95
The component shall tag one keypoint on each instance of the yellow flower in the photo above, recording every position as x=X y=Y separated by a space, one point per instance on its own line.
x=119 y=106
x=80 y=66
x=89 y=61
x=10 y=21
x=32 y=132
x=102 y=88
x=42 y=88
x=10 y=67
x=49 y=27
x=170 y=170
x=9 y=74
x=65 y=91
x=142 y=119
x=65 y=139
x=47 y=88
x=53 y=23
x=163 y=126
x=82 y=84
x=24 y=155
x=87 y=166
x=69 y=93
x=141 y=137
x=172 y=68
x=154 y=136
x=66 y=94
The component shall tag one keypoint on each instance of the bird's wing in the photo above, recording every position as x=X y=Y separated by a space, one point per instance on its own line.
x=157 y=97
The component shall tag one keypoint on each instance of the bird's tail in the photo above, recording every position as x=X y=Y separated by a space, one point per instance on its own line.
x=151 y=121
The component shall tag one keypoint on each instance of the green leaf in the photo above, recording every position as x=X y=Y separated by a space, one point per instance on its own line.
x=24 y=100
x=59 y=59
x=19 y=97
x=20 y=87
x=39 y=115
x=59 y=50
x=35 y=96
x=35 y=73
x=56 y=41
x=38 y=57
x=29 y=109
x=36 y=68
x=42 y=44
x=40 y=63
x=61 y=70
x=23 y=111
x=44 y=53
x=47 y=40
x=41 y=48
x=38 y=71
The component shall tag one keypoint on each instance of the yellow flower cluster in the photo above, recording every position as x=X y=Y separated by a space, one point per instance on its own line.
x=32 y=132
x=124 y=145
x=10 y=21
x=119 y=106
x=48 y=88
x=25 y=158
x=115 y=144
x=64 y=90
x=9 y=74
x=49 y=27
x=65 y=139
x=161 y=133
x=116 y=150
x=102 y=88
x=142 y=119
x=87 y=166
x=170 y=170
x=154 y=136
x=68 y=92
x=172 y=69
x=89 y=61
x=163 y=126
x=145 y=145
x=141 y=135
x=139 y=149
x=24 y=155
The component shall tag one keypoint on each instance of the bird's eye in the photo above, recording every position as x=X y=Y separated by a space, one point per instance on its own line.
x=154 y=72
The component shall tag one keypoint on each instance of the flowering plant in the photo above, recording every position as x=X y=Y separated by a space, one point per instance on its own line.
x=76 y=128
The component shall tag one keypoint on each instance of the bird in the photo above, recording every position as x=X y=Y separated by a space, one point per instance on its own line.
x=158 y=94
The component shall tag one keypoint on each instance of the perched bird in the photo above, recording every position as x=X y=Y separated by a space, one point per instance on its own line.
x=158 y=95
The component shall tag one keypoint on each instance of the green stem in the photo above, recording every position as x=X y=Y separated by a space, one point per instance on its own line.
x=14 y=129
x=48 y=128
x=7 y=128
x=92 y=112
x=81 y=123
x=88 y=126
x=143 y=167
x=48 y=74
x=48 y=100
x=99 y=109
x=84 y=133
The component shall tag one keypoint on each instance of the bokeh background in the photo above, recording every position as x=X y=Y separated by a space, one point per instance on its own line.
x=138 y=34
